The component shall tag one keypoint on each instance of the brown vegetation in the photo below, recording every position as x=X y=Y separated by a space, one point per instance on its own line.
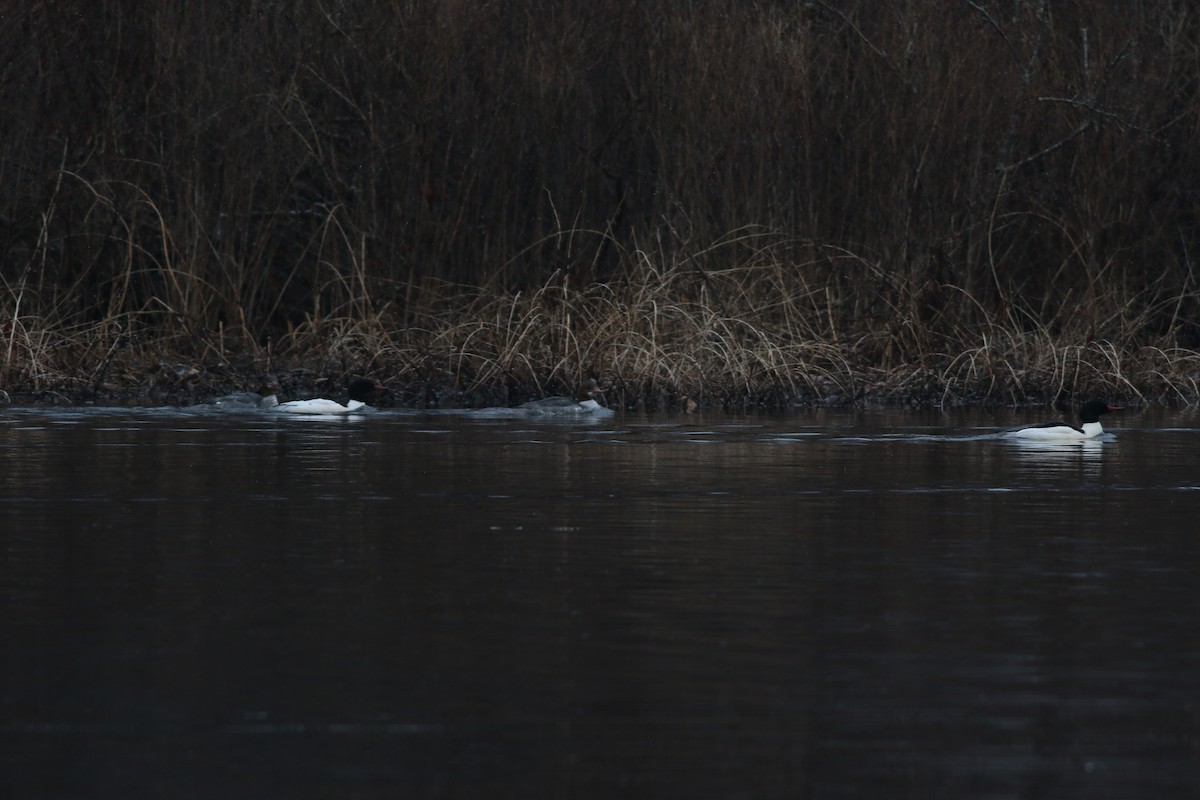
x=741 y=202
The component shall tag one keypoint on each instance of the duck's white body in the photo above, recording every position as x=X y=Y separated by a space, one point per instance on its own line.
x=320 y=405
x=1090 y=428
x=360 y=391
x=1060 y=432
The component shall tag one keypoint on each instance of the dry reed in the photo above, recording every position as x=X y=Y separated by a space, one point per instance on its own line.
x=746 y=204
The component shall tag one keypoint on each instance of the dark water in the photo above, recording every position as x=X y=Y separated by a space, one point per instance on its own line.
x=824 y=605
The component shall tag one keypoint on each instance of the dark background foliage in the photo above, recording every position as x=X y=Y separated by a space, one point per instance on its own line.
x=938 y=166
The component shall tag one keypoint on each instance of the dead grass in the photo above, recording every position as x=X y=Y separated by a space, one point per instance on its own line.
x=742 y=332
x=741 y=203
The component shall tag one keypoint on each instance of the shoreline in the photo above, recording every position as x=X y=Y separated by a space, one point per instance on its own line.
x=759 y=346
x=136 y=382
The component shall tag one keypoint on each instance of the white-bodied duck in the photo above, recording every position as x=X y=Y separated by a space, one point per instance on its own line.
x=1090 y=428
x=360 y=391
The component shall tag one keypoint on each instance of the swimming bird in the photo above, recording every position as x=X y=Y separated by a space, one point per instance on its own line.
x=1089 y=417
x=582 y=403
x=244 y=400
x=360 y=390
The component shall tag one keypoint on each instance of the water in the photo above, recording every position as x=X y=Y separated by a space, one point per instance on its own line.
x=825 y=605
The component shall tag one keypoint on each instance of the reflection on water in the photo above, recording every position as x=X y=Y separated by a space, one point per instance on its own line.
x=830 y=605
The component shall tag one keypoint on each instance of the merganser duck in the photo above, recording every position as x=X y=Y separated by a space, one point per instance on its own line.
x=1089 y=416
x=244 y=400
x=582 y=403
x=360 y=391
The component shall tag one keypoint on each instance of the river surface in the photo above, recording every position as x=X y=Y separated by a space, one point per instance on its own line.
x=832 y=604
